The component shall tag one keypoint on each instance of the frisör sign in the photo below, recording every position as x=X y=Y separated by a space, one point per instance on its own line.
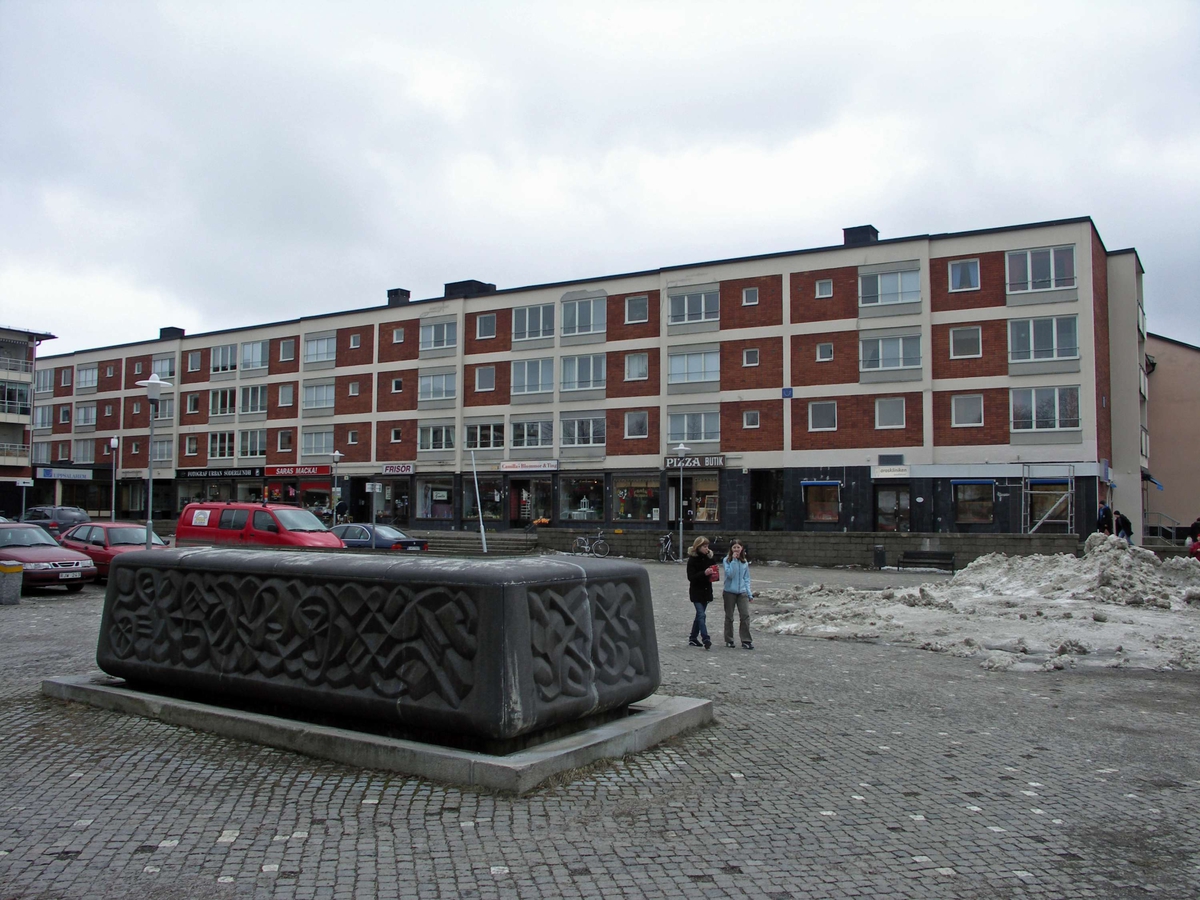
x=695 y=462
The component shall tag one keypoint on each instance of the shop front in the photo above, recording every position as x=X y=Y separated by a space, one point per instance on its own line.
x=893 y=498
x=243 y=484
x=530 y=491
x=394 y=507
x=694 y=489
x=308 y=486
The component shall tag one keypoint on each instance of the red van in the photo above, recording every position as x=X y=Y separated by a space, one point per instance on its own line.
x=263 y=524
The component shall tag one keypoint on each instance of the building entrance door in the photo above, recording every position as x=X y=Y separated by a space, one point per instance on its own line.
x=766 y=500
x=528 y=501
x=891 y=507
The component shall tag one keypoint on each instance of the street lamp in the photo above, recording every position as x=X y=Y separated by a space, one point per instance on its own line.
x=335 y=492
x=681 y=450
x=154 y=388
x=114 y=442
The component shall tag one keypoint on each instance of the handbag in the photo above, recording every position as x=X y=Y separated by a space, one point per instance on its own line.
x=713 y=573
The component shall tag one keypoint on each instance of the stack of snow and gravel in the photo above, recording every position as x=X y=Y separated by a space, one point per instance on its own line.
x=1116 y=606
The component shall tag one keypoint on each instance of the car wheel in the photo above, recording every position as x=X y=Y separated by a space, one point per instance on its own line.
x=74 y=588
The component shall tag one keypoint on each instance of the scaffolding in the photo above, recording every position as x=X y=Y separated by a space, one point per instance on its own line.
x=1048 y=499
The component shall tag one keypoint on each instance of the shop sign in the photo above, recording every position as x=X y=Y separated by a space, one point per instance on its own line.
x=132 y=473
x=64 y=474
x=889 y=471
x=24 y=482
x=397 y=468
x=695 y=462
x=295 y=471
x=547 y=465
x=219 y=473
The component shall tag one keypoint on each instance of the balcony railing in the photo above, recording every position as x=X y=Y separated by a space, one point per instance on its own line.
x=15 y=408
x=21 y=450
x=12 y=364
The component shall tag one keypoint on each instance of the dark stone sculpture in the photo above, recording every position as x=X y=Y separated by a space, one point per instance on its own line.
x=493 y=648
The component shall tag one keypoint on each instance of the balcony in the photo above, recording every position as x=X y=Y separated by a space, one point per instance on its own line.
x=20 y=366
x=14 y=454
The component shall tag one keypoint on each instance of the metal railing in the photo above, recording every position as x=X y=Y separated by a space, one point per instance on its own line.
x=1160 y=525
x=14 y=450
x=12 y=364
x=16 y=407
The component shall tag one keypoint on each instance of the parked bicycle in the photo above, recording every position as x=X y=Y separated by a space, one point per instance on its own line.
x=595 y=546
x=666 y=549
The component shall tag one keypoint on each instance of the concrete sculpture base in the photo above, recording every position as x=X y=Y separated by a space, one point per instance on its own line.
x=649 y=722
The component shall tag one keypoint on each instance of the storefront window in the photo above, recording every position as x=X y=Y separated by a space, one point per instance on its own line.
x=530 y=501
x=490 y=492
x=821 y=502
x=435 y=497
x=581 y=499
x=706 y=495
x=973 y=504
x=395 y=502
x=249 y=492
x=636 y=498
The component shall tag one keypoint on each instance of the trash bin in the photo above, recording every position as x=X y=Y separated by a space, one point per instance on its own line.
x=880 y=556
x=11 y=574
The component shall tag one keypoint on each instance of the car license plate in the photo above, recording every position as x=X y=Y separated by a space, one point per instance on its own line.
x=70 y=574
x=418 y=549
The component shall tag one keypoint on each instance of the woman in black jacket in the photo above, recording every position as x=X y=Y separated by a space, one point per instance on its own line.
x=700 y=591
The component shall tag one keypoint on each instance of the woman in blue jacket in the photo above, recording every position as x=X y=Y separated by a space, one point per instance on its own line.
x=737 y=593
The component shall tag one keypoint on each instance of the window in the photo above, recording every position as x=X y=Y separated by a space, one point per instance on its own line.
x=43 y=380
x=533 y=322
x=637 y=309
x=966 y=343
x=108 y=371
x=532 y=376
x=437 y=387
x=287 y=349
x=398 y=335
x=891 y=353
x=254 y=399
x=284 y=442
x=254 y=442
x=750 y=418
x=287 y=394
x=85 y=414
x=316 y=443
x=355 y=341
x=691 y=367
x=1045 y=409
x=435 y=437
x=352 y=436
x=162 y=450
x=485 y=326
x=966 y=411
x=64 y=450
x=822 y=415
x=964 y=275
x=533 y=434
x=41 y=452
x=581 y=499
x=221 y=445
x=889 y=287
x=191 y=445
x=223 y=358
x=255 y=354
x=637 y=424
x=87 y=376
x=485 y=378
x=824 y=288
x=698 y=306
x=698 y=426
x=1054 y=338
x=637 y=366
x=1043 y=269
x=584 y=316
x=974 y=503
x=397 y=385
x=137 y=368
x=85 y=452
x=821 y=503
x=750 y=296
x=193 y=361
x=163 y=368
x=635 y=498
x=582 y=372
x=108 y=410
x=137 y=407
x=889 y=412
x=583 y=432
x=322 y=349
x=825 y=352
x=66 y=378
x=352 y=389
x=397 y=436
x=319 y=396
x=64 y=414
x=193 y=404
x=435 y=497
x=750 y=357
x=221 y=402
x=439 y=336
x=485 y=437
x=164 y=408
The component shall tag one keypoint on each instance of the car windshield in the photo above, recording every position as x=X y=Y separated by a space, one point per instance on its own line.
x=132 y=534
x=299 y=520
x=25 y=537
x=388 y=533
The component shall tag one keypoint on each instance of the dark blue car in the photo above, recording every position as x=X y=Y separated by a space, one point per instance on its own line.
x=377 y=537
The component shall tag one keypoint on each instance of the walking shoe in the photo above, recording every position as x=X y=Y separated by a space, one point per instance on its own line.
x=692 y=642
x=729 y=643
x=746 y=645
x=708 y=645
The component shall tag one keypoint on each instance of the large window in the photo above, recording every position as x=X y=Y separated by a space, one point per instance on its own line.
x=287 y=350
x=582 y=372
x=636 y=497
x=255 y=355
x=637 y=366
x=14 y=398
x=322 y=349
x=222 y=402
x=485 y=326
x=43 y=417
x=583 y=431
x=697 y=306
x=1051 y=338
x=87 y=376
x=437 y=387
x=973 y=502
x=435 y=497
x=532 y=376
x=485 y=378
x=1045 y=409
x=43 y=380
x=319 y=396
x=693 y=367
x=964 y=275
x=85 y=414
x=1043 y=269
x=637 y=309
x=317 y=443
x=164 y=368
x=966 y=342
x=439 y=336
x=531 y=322
x=223 y=358
x=435 y=437
x=221 y=445
x=822 y=415
x=581 y=499
x=533 y=434
x=164 y=408
x=254 y=442
x=889 y=412
x=694 y=426
x=966 y=411
x=162 y=450
x=821 y=502
x=254 y=399
x=889 y=287
x=891 y=353
x=637 y=424
x=491 y=499
x=41 y=453
x=84 y=452
x=485 y=437
x=584 y=316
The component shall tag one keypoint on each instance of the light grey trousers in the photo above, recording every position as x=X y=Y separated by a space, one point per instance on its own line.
x=742 y=602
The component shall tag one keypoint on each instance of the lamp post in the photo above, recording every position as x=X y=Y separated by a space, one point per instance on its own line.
x=335 y=492
x=681 y=450
x=154 y=388
x=114 y=443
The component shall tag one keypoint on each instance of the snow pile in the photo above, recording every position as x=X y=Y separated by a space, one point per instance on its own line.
x=1116 y=606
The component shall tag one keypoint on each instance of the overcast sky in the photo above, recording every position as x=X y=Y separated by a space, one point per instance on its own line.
x=214 y=165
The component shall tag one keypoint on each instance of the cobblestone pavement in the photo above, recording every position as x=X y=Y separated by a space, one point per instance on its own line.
x=834 y=770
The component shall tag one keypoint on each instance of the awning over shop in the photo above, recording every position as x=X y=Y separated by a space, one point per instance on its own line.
x=1146 y=476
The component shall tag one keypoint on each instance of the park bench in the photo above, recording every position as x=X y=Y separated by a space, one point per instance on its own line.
x=926 y=559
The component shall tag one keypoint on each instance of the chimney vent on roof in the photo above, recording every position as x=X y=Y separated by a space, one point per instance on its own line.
x=170 y=333
x=471 y=288
x=860 y=234
x=399 y=296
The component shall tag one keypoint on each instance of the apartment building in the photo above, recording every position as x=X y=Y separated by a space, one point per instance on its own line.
x=1173 y=492
x=983 y=381
x=18 y=351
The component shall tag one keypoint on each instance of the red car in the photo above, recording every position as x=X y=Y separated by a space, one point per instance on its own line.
x=103 y=540
x=43 y=560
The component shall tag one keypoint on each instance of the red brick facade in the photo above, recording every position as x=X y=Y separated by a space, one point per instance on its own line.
x=501 y=343
x=614 y=375
x=360 y=451
x=392 y=351
x=768 y=311
x=200 y=416
x=200 y=459
x=736 y=438
x=993 y=338
x=277 y=457
x=59 y=426
x=497 y=397
x=275 y=365
x=60 y=389
x=106 y=382
x=992 y=289
x=736 y=376
x=806 y=307
x=619 y=445
x=1103 y=363
x=137 y=368
x=617 y=330
x=364 y=353
x=842 y=369
x=274 y=410
x=856 y=424
x=344 y=402
x=995 y=420
x=199 y=375
x=392 y=401
x=403 y=450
